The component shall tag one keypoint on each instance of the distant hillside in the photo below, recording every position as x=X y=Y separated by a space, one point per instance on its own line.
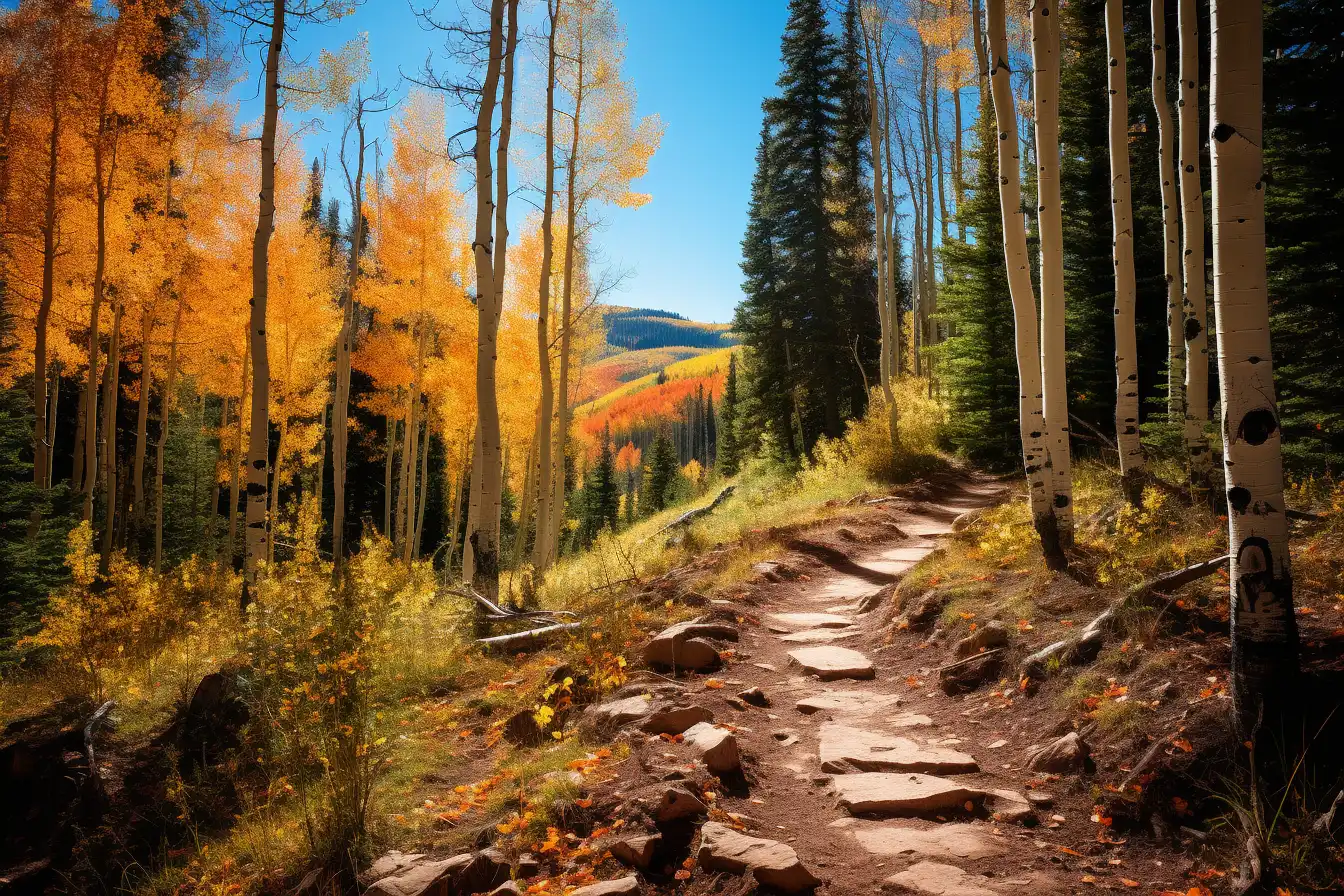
x=644 y=328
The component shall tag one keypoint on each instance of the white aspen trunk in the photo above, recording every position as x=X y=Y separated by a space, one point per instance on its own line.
x=91 y=380
x=387 y=476
x=1055 y=395
x=1194 y=307
x=340 y=407
x=1171 y=233
x=273 y=514
x=258 y=446
x=169 y=393
x=43 y=447
x=884 y=302
x=1264 y=628
x=896 y=363
x=424 y=488
x=54 y=391
x=566 y=305
x=1122 y=226
x=111 y=396
x=238 y=451
x=1031 y=414
x=529 y=500
x=541 y=546
x=410 y=442
x=142 y=418
x=483 y=531
x=473 y=507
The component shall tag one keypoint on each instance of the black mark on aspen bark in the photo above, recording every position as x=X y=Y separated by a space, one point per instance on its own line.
x=1257 y=426
x=1192 y=329
x=1222 y=132
x=1238 y=498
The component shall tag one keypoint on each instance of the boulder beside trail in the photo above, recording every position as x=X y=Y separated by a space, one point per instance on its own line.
x=716 y=747
x=687 y=646
x=894 y=795
x=471 y=872
x=1066 y=754
x=992 y=634
x=771 y=863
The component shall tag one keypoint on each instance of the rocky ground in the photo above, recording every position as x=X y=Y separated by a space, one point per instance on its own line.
x=798 y=738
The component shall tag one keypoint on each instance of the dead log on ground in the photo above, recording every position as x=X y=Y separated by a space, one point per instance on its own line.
x=691 y=516
x=531 y=635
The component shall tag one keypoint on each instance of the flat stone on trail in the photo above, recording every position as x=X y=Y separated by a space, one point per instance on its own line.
x=621 y=886
x=935 y=879
x=910 y=720
x=833 y=663
x=902 y=795
x=812 y=620
x=815 y=635
x=848 y=749
x=848 y=702
x=945 y=841
x=771 y=863
x=716 y=747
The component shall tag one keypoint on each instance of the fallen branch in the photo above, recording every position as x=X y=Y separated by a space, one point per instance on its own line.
x=89 y=729
x=1305 y=515
x=970 y=659
x=529 y=635
x=495 y=613
x=1088 y=643
x=691 y=516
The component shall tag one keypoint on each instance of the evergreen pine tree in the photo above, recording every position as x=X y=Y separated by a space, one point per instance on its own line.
x=1304 y=183
x=662 y=472
x=312 y=203
x=760 y=316
x=977 y=361
x=730 y=453
x=601 y=498
x=855 y=223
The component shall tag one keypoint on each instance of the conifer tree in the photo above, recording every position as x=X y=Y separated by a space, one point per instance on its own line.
x=729 y=458
x=662 y=472
x=601 y=498
x=977 y=362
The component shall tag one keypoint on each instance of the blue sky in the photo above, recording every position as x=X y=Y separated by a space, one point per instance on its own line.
x=702 y=66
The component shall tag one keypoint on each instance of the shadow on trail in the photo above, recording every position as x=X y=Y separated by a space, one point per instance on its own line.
x=840 y=561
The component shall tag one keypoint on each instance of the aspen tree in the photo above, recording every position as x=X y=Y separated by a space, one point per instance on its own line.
x=1264 y=627
x=884 y=300
x=541 y=548
x=255 y=530
x=1194 y=309
x=1055 y=396
x=483 y=530
x=1171 y=236
x=1031 y=415
x=1122 y=226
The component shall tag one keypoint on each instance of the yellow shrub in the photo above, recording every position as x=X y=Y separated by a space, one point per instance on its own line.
x=866 y=447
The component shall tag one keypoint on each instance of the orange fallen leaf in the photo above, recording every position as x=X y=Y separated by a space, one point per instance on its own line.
x=1070 y=852
x=1184 y=745
x=713 y=684
x=1129 y=883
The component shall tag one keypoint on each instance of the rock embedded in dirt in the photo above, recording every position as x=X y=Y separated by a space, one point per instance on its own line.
x=1040 y=798
x=754 y=696
x=833 y=663
x=820 y=635
x=716 y=747
x=670 y=801
x=936 y=879
x=970 y=674
x=903 y=795
x=910 y=720
x=675 y=719
x=1009 y=807
x=857 y=703
x=798 y=621
x=601 y=720
x=686 y=646
x=924 y=610
x=636 y=851
x=424 y=878
x=944 y=841
x=393 y=862
x=1066 y=754
x=846 y=749
x=774 y=571
x=989 y=636
x=621 y=886
x=770 y=863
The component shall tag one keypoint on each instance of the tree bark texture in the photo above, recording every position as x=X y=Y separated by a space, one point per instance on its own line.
x=1194 y=309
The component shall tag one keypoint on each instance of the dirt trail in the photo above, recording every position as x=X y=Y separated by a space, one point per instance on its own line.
x=955 y=831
